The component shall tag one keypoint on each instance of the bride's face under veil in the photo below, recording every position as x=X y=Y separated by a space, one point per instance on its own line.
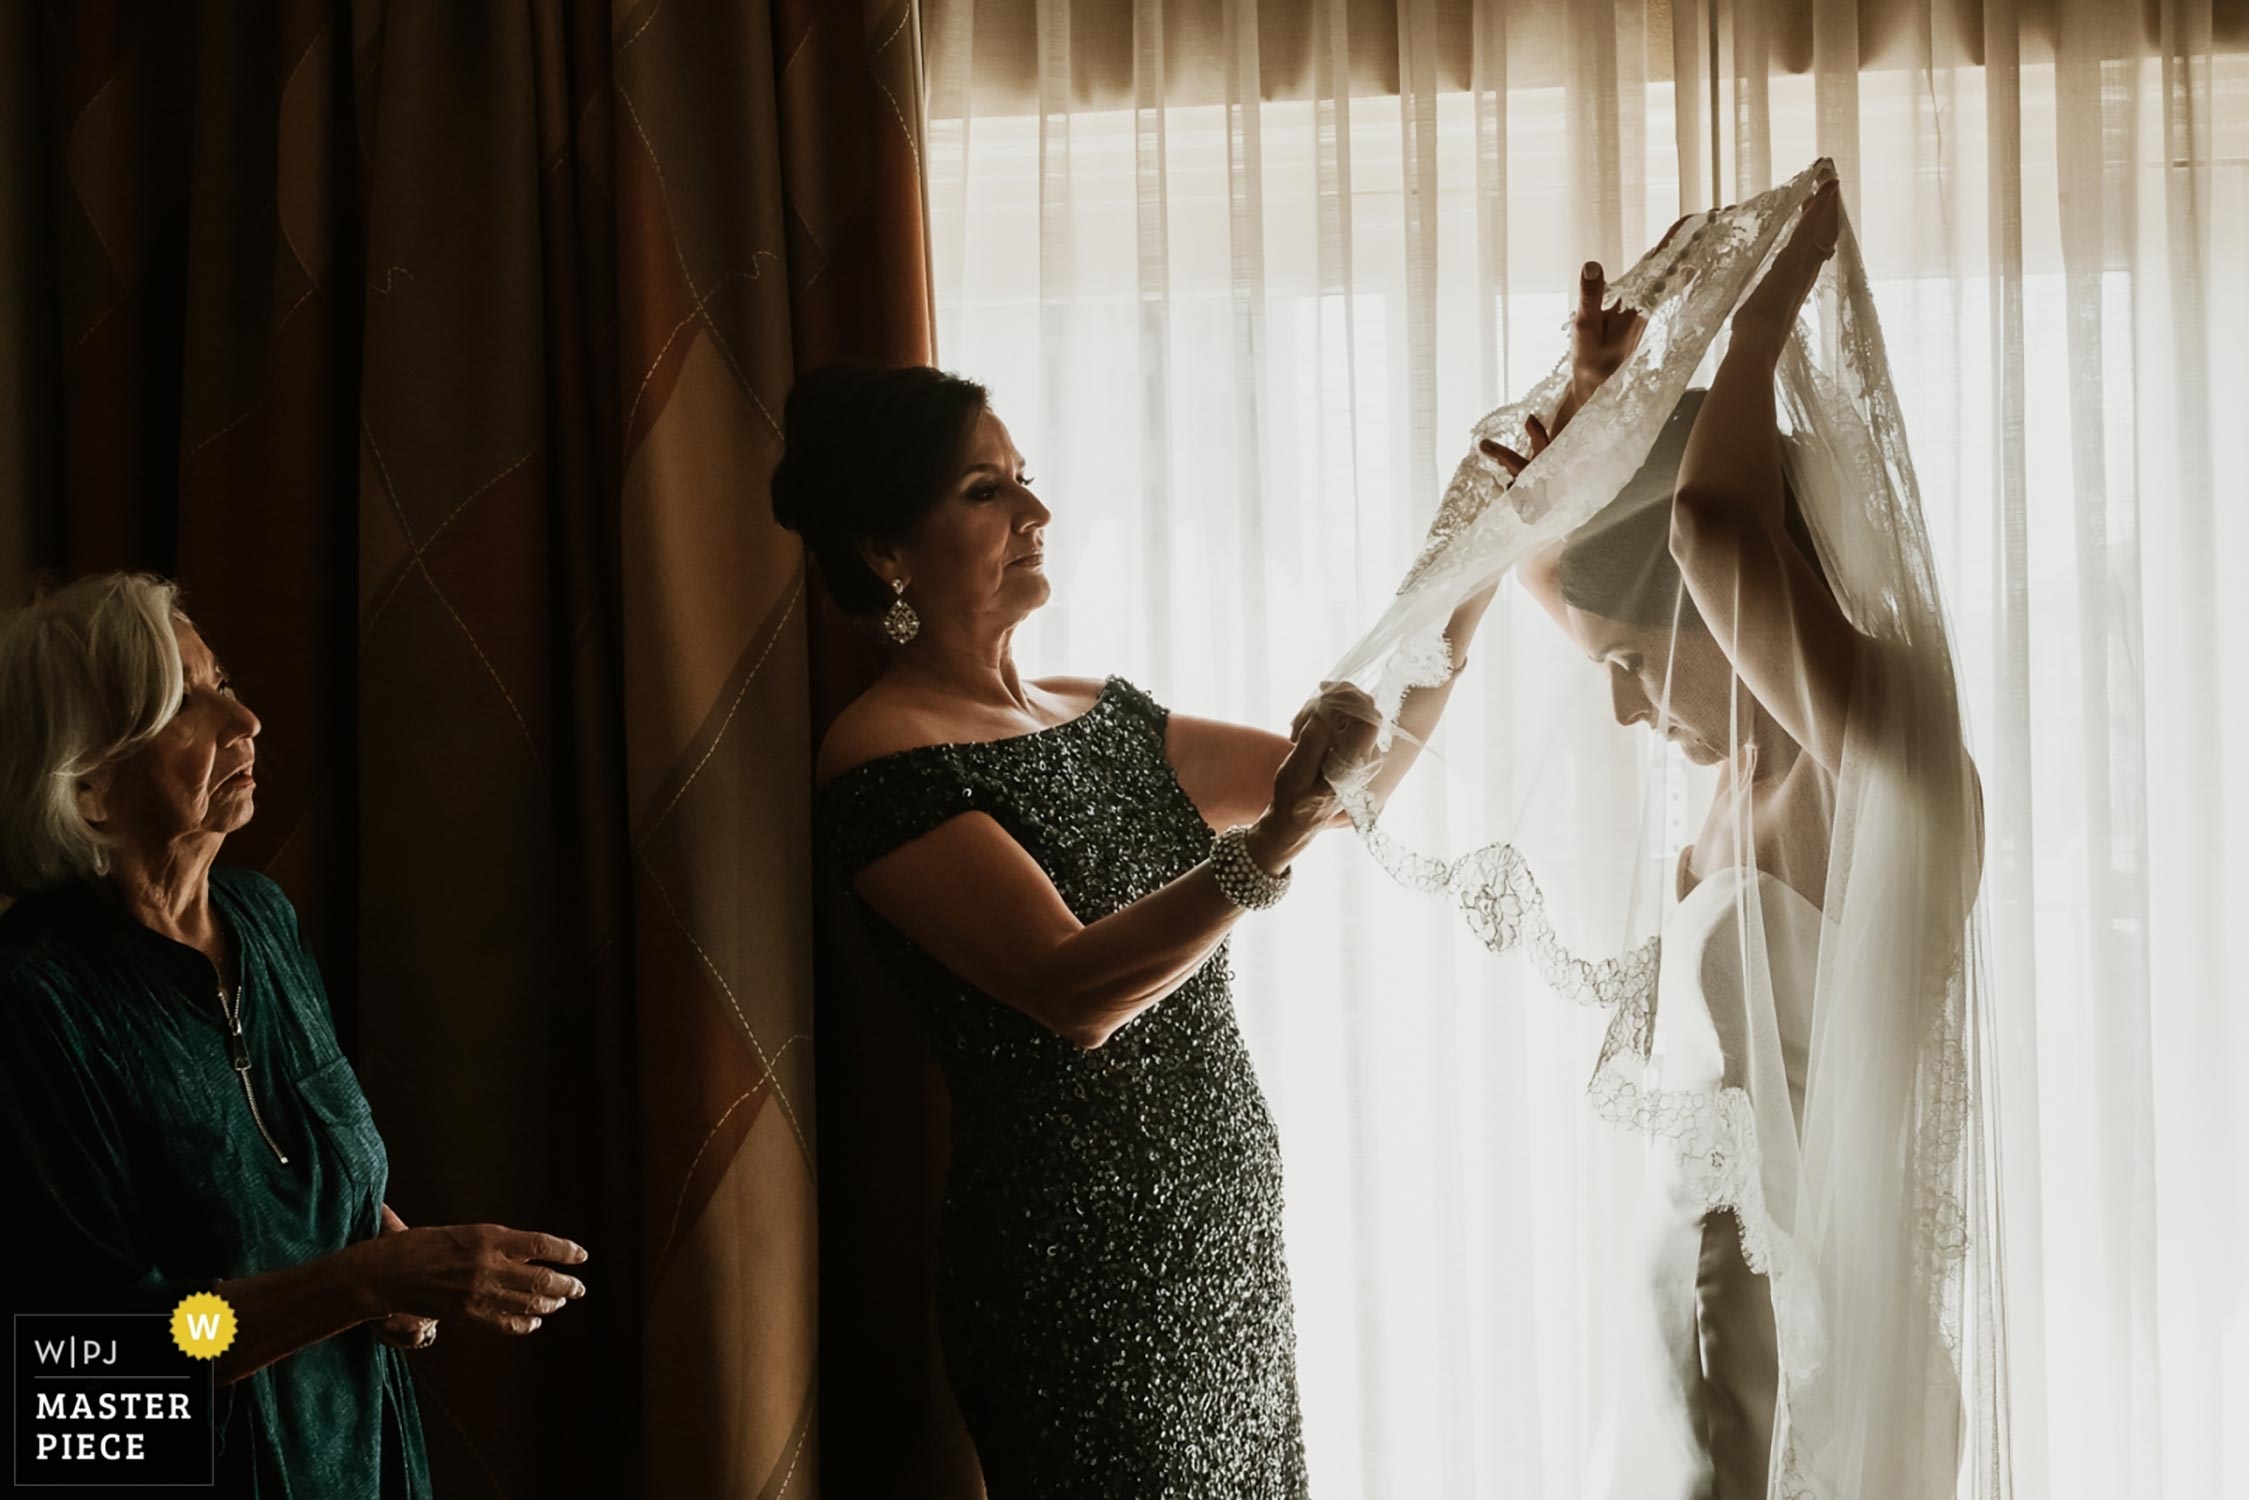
x=1617 y=594
x=1663 y=668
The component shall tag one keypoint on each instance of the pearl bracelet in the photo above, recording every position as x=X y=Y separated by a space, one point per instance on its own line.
x=1240 y=878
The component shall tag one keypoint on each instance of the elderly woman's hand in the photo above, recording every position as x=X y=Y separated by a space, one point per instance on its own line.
x=404 y=1330
x=483 y=1271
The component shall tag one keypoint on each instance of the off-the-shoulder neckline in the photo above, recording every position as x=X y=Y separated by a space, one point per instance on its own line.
x=1108 y=690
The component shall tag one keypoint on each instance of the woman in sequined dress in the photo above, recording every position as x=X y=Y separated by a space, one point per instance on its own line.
x=1038 y=866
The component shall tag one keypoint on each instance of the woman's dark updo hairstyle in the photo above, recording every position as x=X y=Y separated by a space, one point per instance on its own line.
x=867 y=451
x=1619 y=565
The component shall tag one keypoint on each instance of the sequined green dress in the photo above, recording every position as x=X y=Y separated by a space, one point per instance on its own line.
x=1111 y=1291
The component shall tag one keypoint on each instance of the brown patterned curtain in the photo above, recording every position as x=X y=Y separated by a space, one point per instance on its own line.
x=440 y=351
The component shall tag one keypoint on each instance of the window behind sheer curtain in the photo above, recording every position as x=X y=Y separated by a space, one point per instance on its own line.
x=1241 y=357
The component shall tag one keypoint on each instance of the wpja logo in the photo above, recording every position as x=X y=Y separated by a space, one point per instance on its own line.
x=75 y=1352
x=203 y=1325
x=118 y=1398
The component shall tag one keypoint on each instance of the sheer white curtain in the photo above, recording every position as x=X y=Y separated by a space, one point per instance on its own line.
x=1240 y=277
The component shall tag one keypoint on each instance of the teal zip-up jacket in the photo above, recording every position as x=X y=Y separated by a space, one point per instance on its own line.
x=137 y=1171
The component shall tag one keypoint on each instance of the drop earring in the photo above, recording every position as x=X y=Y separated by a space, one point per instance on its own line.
x=901 y=624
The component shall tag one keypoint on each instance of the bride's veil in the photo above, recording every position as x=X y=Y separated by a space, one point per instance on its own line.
x=1834 y=1088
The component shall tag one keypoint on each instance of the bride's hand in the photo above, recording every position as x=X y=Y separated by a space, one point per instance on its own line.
x=1507 y=458
x=1601 y=338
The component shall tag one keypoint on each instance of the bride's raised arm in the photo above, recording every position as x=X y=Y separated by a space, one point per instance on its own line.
x=1754 y=584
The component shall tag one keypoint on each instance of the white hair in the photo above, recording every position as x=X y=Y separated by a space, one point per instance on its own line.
x=89 y=673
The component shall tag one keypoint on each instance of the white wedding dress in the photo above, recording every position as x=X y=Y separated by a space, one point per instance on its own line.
x=1706 y=1351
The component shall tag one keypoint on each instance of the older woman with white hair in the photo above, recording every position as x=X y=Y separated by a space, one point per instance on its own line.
x=175 y=1113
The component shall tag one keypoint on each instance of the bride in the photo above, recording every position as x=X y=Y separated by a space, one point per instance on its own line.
x=1755 y=592
x=1717 y=629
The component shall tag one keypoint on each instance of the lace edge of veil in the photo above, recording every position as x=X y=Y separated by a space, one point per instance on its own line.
x=1714 y=1131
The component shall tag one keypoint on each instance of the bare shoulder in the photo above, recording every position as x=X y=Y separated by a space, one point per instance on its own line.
x=1073 y=694
x=889 y=718
x=879 y=722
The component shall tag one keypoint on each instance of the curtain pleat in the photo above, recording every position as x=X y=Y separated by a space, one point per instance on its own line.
x=2186 y=547
x=1251 y=618
x=1152 y=264
x=2009 y=804
x=2097 y=151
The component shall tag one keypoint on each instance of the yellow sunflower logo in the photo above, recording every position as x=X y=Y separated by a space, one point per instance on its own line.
x=203 y=1325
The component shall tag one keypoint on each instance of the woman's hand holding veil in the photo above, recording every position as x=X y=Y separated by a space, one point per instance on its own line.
x=1601 y=339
